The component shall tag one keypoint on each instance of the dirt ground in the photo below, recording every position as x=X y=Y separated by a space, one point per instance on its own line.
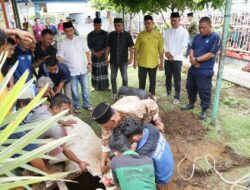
x=185 y=126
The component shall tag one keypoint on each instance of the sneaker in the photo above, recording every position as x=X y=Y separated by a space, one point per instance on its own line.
x=176 y=101
x=114 y=96
x=92 y=90
x=166 y=95
x=77 y=111
x=203 y=115
x=188 y=107
x=90 y=108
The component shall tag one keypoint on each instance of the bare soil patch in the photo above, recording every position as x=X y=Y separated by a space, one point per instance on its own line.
x=185 y=126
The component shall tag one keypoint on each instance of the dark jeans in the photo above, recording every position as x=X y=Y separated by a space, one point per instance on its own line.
x=114 y=70
x=142 y=75
x=199 y=82
x=173 y=69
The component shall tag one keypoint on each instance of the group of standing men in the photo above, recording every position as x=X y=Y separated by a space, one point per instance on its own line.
x=118 y=50
x=148 y=54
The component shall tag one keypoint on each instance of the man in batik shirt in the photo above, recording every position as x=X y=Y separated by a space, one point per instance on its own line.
x=147 y=111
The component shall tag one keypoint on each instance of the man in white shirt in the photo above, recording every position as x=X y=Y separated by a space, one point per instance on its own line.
x=175 y=40
x=71 y=51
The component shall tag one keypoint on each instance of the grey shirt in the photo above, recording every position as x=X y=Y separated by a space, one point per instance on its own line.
x=43 y=113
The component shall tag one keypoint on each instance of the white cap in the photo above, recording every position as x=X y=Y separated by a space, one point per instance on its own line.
x=42 y=81
x=27 y=94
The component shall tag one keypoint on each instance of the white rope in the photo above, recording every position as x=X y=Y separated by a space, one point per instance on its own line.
x=234 y=184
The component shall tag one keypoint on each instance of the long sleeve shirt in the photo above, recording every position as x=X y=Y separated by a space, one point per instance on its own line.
x=175 y=40
x=97 y=41
x=73 y=52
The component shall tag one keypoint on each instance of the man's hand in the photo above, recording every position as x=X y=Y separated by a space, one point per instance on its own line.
x=105 y=166
x=197 y=65
x=159 y=125
x=135 y=64
x=169 y=56
x=89 y=67
x=24 y=35
x=83 y=166
x=192 y=60
x=98 y=54
x=107 y=61
x=130 y=61
x=107 y=182
x=68 y=123
x=160 y=66
x=60 y=59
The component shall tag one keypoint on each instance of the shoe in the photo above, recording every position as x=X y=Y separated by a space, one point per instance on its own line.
x=92 y=90
x=188 y=107
x=114 y=96
x=176 y=101
x=203 y=115
x=166 y=95
x=89 y=108
x=77 y=111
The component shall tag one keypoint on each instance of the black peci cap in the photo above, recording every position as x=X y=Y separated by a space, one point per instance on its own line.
x=148 y=17
x=175 y=15
x=97 y=21
x=67 y=25
x=102 y=113
x=190 y=14
x=118 y=20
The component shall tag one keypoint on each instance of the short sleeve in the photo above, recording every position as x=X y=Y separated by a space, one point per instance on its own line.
x=60 y=50
x=160 y=43
x=215 y=46
x=53 y=52
x=138 y=42
x=105 y=137
x=193 y=43
x=152 y=110
x=130 y=40
x=55 y=132
x=63 y=73
x=85 y=46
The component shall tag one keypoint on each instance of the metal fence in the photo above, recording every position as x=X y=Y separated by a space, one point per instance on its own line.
x=239 y=31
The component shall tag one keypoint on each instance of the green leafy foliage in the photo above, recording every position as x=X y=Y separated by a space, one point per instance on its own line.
x=10 y=123
x=154 y=6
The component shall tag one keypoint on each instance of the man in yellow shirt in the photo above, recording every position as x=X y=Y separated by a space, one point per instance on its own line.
x=148 y=51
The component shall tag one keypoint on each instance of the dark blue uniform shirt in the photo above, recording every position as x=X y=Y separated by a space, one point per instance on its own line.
x=62 y=74
x=25 y=59
x=205 y=44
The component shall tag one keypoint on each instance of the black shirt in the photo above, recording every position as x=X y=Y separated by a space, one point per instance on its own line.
x=5 y=67
x=119 y=44
x=97 y=42
x=39 y=53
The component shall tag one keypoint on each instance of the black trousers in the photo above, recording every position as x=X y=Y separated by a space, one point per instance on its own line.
x=173 y=69
x=142 y=75
x=199 y=83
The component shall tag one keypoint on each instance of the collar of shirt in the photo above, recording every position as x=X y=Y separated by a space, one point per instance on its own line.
x=130 y=152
